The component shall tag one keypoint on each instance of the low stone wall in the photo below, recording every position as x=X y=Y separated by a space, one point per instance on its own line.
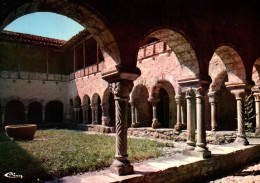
x=218 y=137
x=101 y=128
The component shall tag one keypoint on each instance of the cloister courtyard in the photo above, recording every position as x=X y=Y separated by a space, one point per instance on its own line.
x=174 y=71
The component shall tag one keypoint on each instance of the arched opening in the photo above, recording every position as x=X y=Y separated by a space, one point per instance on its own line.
x=227 y=109
x=112 y=109
x=99 y=111
x=72 y=117
x=89 y=113
x=180 y=57
x=80 y=12
x=78 y=110
x=143 y=113
x=226 y=69
x=54 y=112
x=96 y=109
x=14 y=113
x=163 y=108
x=35 y=113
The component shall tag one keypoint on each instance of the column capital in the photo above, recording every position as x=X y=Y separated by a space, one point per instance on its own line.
x=153 y=100
x=121 y=88
x=239 y=93
x=133 y=102
x=257 y=96
x=213 y=97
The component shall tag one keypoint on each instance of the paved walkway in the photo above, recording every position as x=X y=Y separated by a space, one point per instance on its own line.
x=172 y=159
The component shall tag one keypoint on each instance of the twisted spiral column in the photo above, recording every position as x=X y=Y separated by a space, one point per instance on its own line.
x=121 y=128
x=121 y=90
x=241 y=136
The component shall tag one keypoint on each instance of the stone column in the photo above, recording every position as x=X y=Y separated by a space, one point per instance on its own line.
x=133 y=114
x=43 y=114
x=26 y=109
x=121 y=90
x=154 y=101
x=3 y=114
x=178 y=125
x=183 y=114
x=257 y=112
x=213 y=100
x=94 y=112
x=76 y=112
x=200 y=118
x=241 y=136
x=105 y=115
x=190 y=122
x=83 y=113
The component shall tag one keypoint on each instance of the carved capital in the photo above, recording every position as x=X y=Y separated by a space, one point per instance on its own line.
x=153 y=100
x=257 y=97
x=239 y=93
x=121 y=88
x=213 y=97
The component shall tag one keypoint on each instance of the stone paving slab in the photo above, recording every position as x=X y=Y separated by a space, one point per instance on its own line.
x=177 y=167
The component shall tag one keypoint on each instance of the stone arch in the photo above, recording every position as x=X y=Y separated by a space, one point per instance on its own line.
x=77 y=101
x=35 y=112
x=181 y=47
x=14 y=112
x=54 y=112
x=143 y=112
x=86 y=100
x=218 y=80
x=256 y=73
x=233 y=64
x=167 y=89
x=81 y=12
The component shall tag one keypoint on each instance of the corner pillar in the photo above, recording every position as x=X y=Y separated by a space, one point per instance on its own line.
x=94 y=110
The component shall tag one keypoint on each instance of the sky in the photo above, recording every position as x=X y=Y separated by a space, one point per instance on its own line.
x=46 y=24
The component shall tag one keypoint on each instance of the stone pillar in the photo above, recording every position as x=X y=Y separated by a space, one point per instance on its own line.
x=213 y=100
x=76 y=112
x=85 y=113
x=241 y=136
x=94 y=108
x=190 y=122
x=183 y=114
x=105 y=115
x=43 y=114
x=3 y=114
x=133 y=114
x=257 y=112
x=200 y=118
x=178 y=125
x=26 y=109
x=121 y=90
x=155 y=122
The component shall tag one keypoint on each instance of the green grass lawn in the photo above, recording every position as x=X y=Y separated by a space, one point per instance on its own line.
x=66 y=152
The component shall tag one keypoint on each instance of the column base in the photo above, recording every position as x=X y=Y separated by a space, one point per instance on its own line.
x=179 y=127
x=121 y=167
x=215 y=128
x=204 y=155
x=190 y=146
x=105 y=121
x=155 y=123
x=134 y=125
x=241 y=140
